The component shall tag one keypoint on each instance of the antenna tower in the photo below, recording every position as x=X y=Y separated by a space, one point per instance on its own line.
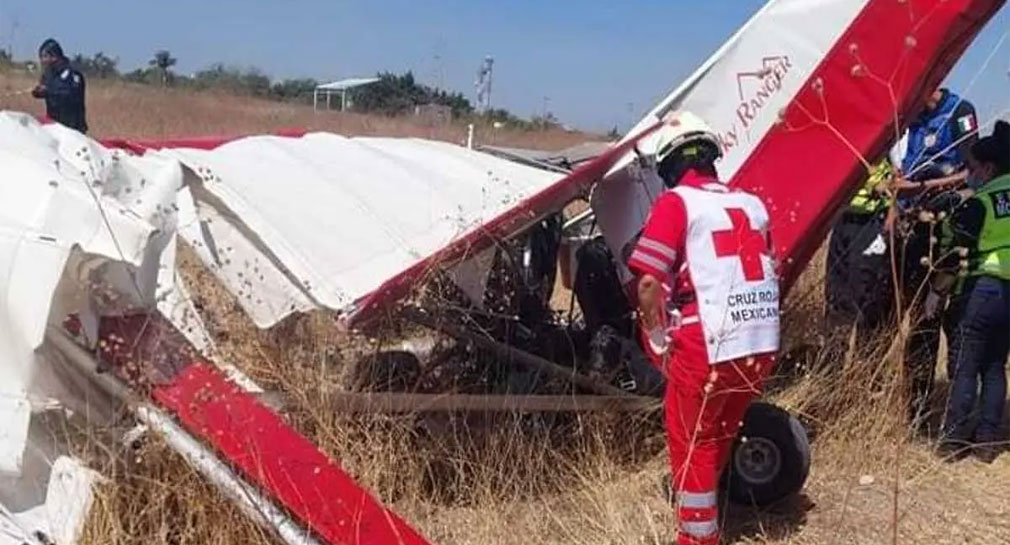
x=484 y=74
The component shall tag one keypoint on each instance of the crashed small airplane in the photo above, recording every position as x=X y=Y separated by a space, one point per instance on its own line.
x=800 y=95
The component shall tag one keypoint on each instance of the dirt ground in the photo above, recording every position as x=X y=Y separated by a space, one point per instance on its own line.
x=962 y=503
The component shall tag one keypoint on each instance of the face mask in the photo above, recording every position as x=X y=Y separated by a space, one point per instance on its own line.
x=977 y=177
x=974 y=180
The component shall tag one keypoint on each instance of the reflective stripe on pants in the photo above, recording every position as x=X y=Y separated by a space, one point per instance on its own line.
x=705 y=406
x=700 y=530
x=697 y=500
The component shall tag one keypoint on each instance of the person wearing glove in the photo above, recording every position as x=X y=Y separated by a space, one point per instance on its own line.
x=62 y=87
x=707 y=295
x=975 y=272
x=933 y=163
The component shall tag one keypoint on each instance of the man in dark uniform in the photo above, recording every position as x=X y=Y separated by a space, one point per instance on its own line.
x=62 y=87
x=938 y=141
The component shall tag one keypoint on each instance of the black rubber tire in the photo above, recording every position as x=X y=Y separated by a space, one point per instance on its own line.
x=769 y=427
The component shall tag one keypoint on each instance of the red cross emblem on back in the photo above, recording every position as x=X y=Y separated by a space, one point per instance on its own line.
x=742 y=242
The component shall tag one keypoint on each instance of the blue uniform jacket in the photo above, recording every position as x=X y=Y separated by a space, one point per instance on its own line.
x=933 y=147
x=64 y=96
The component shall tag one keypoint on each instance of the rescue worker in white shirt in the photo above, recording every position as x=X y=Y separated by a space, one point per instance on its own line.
x=708 y=305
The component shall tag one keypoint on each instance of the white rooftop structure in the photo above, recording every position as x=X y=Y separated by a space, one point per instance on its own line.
x=341 y=87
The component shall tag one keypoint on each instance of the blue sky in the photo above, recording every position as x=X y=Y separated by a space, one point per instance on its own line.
x=601 y=63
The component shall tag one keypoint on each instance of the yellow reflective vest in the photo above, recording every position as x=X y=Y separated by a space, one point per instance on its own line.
x=987 y=251
x=867 y=200
x=991 y=255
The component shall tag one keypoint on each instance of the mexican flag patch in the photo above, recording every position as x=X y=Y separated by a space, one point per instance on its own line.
x=966 y=123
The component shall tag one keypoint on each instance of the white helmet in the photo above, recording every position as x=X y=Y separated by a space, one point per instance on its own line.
x=680 y=129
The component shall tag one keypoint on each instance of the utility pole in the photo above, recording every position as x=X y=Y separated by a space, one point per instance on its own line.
x=14 y=29
x=1 y=31
x=14 y=23
x=438 y=77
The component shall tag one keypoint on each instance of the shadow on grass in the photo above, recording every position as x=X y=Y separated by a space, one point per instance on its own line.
x=773 y=523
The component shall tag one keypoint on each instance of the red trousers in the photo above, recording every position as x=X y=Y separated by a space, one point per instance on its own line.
x=704 y=408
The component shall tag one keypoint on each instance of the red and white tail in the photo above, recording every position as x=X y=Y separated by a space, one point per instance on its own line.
x=801 y=97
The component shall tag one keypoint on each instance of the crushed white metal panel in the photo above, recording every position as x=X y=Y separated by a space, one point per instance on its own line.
x=323 y=221
x=244 y=266
x=50 y=224
x=12 y=532
x=60 y=518
x=15 y=415
x=50 y=501
x=83 y=231
x=53 y=492
x=288 y=225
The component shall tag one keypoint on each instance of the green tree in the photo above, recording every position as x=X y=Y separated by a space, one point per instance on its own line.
x=98 y=66
x=544 y=122
x=398 y=94
x=146 y=76
x=299 y=90
x=256 y=83
x=163 y=61
x=234 y=80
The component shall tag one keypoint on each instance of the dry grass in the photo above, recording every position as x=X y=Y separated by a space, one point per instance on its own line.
x=508 y=480
x=585 y=480
x=133 y=111
x=592 y=480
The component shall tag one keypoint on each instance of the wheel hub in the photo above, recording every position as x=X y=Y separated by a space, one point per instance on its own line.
x=758 y=460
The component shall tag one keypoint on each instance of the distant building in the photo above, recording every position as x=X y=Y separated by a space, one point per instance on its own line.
x=340 y=88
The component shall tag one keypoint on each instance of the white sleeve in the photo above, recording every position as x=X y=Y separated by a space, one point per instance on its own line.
x=897 y=153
